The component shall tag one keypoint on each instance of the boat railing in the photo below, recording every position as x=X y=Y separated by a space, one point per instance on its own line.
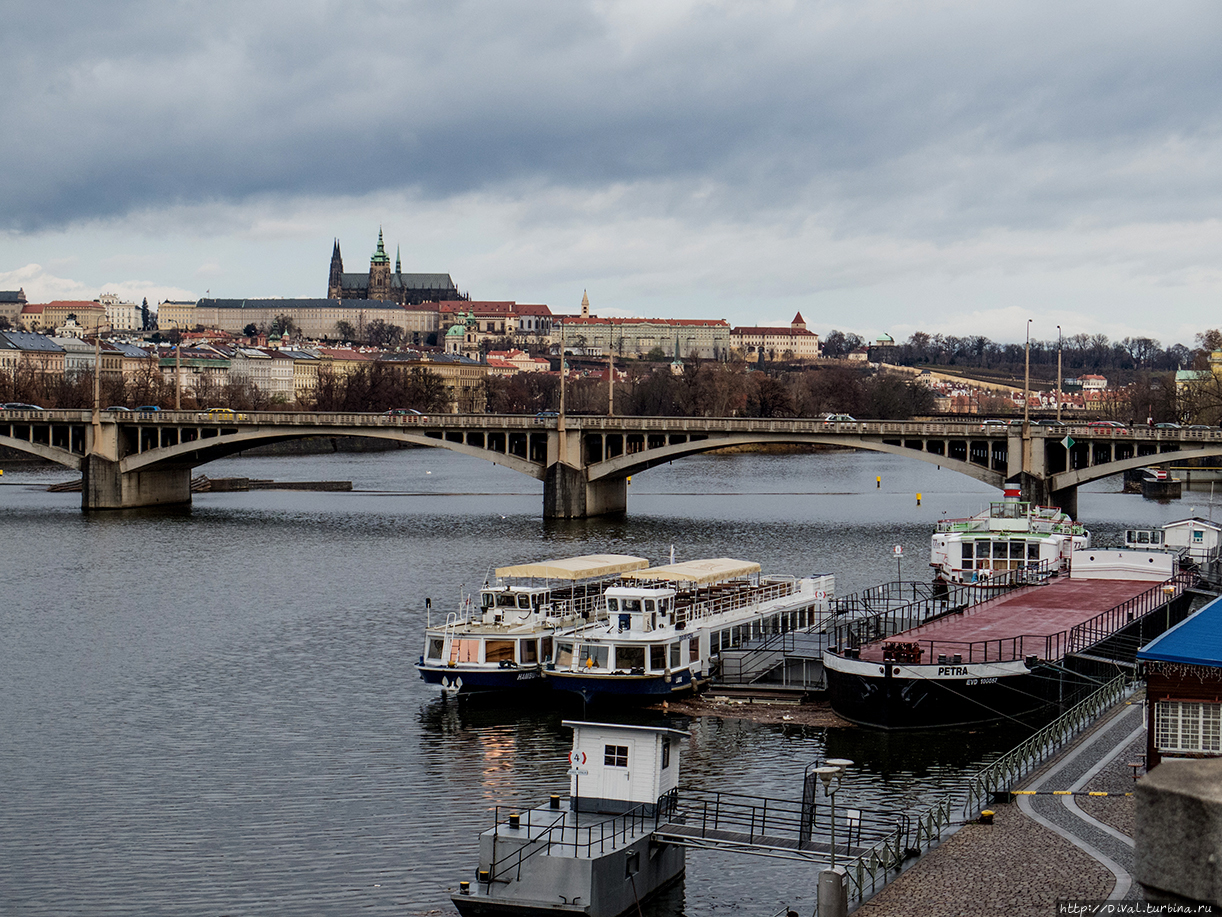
x=734 y=599
x=557 y=834
x=1024 y=646
x=878 y=613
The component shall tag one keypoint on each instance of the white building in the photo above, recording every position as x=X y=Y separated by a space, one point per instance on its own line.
x=122 y=316
x=270 y=371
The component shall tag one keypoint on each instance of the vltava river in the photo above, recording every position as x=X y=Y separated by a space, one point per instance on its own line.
x=214 y=711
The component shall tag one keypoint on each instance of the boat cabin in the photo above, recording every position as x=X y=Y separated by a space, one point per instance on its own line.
x=616 y=768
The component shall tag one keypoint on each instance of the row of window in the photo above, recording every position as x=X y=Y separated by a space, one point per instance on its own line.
x=1187 y=727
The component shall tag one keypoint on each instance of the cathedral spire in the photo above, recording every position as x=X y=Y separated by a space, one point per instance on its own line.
x=398 y=262
x=380 y=256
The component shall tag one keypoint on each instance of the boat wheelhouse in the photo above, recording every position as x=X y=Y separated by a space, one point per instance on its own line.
x=504 y=641
x=1011 y=535
x=666 y=627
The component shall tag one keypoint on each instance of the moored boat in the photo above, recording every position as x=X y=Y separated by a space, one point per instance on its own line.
x=504 y=642
x=666 y=627
x=1013 y=657
x=1009 y=535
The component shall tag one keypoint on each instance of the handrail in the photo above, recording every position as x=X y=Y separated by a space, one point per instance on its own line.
x=871 y=869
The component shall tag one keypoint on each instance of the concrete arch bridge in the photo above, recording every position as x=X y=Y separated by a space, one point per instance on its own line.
x=144 y=459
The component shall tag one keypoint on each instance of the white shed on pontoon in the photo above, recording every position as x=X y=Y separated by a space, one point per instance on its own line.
x=615 y=768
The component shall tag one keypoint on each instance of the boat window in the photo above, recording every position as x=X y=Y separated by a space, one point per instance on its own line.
x=505 y=600
x=725 y=637
x=593 y=656
x=528 y=652
x=615 y=756
x=650 y=605
x=967 y=550
x=663 y=604
x=1033 y=550
x=1157 y=537
x=693 y=650
x=657 y=658
x=537 y=599
x=675 y=655
x=715 y=642
x=630 y=657
x=564 y=655
x=436 y=647
x=464 y=651
x=498 y=651
x=665 y=753
x=612 y=604
x=546 y=646
x=1016 y=550
x=487 y=599
x=982 y=549
x=632 y=604
x=1143 y=537
x=524 y=601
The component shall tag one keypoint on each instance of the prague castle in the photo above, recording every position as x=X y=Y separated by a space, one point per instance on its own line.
x=389 y=286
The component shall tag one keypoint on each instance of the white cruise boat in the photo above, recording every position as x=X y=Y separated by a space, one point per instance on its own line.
x=1009 y=536
x=504 y=642
x=665 y=627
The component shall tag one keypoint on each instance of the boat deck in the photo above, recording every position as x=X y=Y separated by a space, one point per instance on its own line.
x=1036 y=611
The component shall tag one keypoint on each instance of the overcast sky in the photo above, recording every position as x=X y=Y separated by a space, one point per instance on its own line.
x=949 y=167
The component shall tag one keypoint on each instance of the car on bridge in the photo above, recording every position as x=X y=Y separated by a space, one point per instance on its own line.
x=837 y=418
x=221 y=414
x=1107 y=427
x=21 y=406
x=148 y=409
x=406 y=415
x=118 y=409
x=1167 y=426
x=545 y=416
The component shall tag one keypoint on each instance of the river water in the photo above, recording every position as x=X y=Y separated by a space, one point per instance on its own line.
x=214 y=711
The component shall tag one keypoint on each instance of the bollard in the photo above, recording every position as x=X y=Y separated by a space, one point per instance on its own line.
x=878 y=481
x=515 y=820
x=986 y=817
x=464 y=888
x=918 y=499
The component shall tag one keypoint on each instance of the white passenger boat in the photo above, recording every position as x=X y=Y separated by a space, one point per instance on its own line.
x=1009 y=536
x=505 y=641
x=666 y=627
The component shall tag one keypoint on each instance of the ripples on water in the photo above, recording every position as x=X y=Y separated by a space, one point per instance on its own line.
x=214 y=711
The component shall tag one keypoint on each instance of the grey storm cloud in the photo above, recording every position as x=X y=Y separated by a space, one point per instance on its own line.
x=946 y=117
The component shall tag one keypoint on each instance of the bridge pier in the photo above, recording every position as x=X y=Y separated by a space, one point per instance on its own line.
x=568 y=495
x=104 y=486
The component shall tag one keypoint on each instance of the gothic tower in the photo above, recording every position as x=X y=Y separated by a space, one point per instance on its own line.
x=379 y=272
x=335 y=283
x=585 y=304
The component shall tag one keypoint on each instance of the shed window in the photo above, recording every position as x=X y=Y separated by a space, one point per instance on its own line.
x=615 y=755
x=665 y=753
x=1188 y=727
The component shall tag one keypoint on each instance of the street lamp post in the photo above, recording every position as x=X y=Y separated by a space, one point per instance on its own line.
x=1027 y=380
x=829 y=774
x=1059 y=344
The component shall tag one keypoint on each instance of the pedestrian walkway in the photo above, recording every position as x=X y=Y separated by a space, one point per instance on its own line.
x=1043 y=847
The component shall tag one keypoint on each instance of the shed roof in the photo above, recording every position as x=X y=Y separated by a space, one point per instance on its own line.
x=573 y=568
x=711 y=570
x=1197 y=640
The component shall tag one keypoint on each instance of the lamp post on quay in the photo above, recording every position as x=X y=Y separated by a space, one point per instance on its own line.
x=833 y=881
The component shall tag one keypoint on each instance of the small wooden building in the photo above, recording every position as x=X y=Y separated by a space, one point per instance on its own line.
x=1183 y=670
x=615 y=768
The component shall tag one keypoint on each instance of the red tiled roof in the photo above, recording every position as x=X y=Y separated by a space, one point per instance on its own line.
x=773 y=331
x=578 y=320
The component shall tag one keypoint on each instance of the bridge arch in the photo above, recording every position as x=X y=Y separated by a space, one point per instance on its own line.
x=1107 y=469
x=635 y=462
x=201 y=452
x=51 y=453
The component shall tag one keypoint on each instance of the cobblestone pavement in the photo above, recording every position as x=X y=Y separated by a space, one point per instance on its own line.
x=1018 y=867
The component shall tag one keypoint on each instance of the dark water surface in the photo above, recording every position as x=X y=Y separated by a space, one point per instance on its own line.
x=214 y=711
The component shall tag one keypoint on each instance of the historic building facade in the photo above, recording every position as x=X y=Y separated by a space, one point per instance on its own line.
x=381 y=283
